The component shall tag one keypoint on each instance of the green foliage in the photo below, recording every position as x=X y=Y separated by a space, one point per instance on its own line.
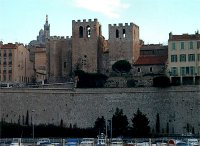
x=119 y=123
x=10 y=130
x=121 y=66
x=161 y=81
x=27 y=118
x=90 y=80
x=100 y=125
x=157 y=123
x=140 y=125
x=131 y=83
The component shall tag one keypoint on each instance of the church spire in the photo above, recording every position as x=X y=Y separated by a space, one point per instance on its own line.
x=46 y=18
x=46 y=28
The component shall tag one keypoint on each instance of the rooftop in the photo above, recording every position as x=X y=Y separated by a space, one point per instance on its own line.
x=153 y=47
x=151 y=60
x=184 y=37
x=9 y=46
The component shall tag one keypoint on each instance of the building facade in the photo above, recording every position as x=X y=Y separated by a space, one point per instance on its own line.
x=123 y=42
x=85 y=45
x=59 y=51
x=151 y=63
x=15 y=65
x=184 y=58
x=40 y=64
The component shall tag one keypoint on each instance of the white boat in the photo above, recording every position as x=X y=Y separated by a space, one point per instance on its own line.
x=72 y=142
x=101 y=140
x=130 y=143
x=44 y=141
x=87 y=142
x=16 y=142
x=116 y=142
x=181 y=143
x=193 y=142
x=161 y=143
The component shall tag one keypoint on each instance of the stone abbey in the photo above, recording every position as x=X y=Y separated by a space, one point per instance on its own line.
x=87 y=49
x=55 y=58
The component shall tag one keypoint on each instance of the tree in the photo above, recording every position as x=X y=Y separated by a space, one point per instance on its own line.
x=140 y=124
x=100 y=125
x=119 y=123
x=61 y=123
x=27 y=118
x=167 y=128
x=121 y=66
x=157 y=123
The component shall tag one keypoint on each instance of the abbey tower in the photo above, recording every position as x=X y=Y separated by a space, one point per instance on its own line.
x=123 y=42
x=85 y=45
x=47 y=29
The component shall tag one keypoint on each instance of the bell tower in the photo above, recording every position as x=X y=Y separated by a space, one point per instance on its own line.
x=85 y=40
x=46 y=29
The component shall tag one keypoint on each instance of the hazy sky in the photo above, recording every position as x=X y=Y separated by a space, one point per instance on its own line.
x=21 y=20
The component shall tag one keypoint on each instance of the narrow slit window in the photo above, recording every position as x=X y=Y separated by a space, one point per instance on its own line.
x=88 y=31
x=80 y=31
x=124 y=33
x=117 y=33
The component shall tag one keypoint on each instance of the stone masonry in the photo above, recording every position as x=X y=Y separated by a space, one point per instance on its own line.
x=59 y=58
x=85 y=48
x=123 y=42
x=176 y=106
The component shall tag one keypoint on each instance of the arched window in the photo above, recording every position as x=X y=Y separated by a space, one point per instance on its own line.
x=139 y=70
x=80 y=31
x=124 y=33
x=88 y=31
x=151 y=69
x=117 y=33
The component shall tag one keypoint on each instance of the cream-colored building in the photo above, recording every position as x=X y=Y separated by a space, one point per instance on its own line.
x=15 y=65
x=184 y=58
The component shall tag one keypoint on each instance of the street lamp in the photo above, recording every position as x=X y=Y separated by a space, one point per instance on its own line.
x=33 y=127
x=111 y=111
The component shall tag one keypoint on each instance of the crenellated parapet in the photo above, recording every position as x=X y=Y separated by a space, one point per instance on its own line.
x=85 y=21
x=60 y=37
x=124 y=25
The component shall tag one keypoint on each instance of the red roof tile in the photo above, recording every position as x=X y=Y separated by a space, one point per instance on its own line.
x=151 y=60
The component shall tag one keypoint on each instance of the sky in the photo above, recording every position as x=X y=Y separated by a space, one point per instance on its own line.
x=21 y=20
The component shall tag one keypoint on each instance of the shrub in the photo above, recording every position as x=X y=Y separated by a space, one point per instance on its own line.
x=121 y=66
x=161 y=81
x=90 y=80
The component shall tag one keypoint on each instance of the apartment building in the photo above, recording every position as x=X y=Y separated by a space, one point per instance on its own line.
x=15 y=65
x=184 y=58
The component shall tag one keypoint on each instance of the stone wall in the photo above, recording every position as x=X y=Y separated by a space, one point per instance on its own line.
x=175 y=105
x=59 y=58
x=123 y=42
